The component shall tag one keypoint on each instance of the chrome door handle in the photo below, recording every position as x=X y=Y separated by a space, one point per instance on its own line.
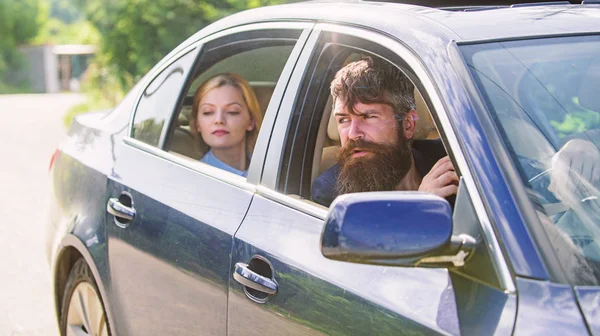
x=249 y=278
x=117 y=209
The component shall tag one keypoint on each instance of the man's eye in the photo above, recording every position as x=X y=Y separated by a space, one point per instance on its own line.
x=369 y=116
x=342 y=120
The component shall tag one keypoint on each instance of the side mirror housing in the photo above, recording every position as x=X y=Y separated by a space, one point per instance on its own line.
x=391 y=228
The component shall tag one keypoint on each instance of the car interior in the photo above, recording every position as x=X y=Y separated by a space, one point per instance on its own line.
x=260 y=62
x=327 y=143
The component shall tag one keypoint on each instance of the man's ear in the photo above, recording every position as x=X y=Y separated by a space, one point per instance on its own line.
x=409 y=123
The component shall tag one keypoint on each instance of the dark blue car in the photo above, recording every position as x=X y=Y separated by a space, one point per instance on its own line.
x=146 y=239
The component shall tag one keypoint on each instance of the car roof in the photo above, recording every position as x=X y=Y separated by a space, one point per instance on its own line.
x=473 y=25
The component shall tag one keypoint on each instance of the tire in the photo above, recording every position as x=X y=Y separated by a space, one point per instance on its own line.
x=82 y=311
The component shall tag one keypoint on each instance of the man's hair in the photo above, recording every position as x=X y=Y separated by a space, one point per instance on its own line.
x=370 y=81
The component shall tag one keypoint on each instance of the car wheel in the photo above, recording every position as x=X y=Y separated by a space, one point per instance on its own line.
x=82 y=311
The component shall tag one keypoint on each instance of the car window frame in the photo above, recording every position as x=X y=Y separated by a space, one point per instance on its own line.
x=256 y=165
x=448 y=134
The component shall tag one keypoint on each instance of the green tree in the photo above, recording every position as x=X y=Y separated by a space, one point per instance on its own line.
x=19 y=23
x=138 y=33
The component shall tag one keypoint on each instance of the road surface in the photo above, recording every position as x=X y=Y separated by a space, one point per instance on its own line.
x=30 y=130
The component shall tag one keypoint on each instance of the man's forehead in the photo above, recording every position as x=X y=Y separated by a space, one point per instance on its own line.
x=360 y=108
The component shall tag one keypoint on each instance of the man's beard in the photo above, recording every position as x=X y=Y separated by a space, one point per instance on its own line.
x=381 y=169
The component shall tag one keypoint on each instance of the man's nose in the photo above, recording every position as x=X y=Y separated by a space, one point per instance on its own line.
x=355 y=131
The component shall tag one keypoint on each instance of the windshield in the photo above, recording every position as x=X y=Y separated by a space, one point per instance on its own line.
x=544 y=96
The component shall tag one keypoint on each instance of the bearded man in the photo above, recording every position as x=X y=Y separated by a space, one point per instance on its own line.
x=374 y=108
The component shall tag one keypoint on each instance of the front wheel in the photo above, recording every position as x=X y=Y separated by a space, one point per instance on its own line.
x=82 y=311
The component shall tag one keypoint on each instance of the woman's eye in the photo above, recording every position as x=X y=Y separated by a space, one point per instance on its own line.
x=207 y=113
x=233 y=112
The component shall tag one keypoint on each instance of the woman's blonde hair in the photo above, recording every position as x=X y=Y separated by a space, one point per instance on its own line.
x=238 y=82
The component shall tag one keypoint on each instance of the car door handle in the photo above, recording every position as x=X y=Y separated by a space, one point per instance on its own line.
x=117 y=209
x=249 y=278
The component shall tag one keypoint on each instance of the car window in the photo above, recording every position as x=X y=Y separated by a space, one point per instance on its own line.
x=227 y=96
x=314 y=124
x=158 y=100
x=542 y=95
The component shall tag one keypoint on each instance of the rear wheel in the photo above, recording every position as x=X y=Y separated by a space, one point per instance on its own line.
x=82 y=310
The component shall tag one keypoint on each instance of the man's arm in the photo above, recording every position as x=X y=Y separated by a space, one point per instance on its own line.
x=575 y=173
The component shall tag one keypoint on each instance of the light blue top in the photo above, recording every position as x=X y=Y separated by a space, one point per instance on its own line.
x=211 y=159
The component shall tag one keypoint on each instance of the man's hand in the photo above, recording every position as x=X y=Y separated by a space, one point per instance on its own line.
x=575 y=172
x=441 y=179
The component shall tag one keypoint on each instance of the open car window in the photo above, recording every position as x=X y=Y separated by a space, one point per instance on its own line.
x=314 y=123
x=226 y=97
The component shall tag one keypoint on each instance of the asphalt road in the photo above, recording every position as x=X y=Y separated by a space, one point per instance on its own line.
x=30 y=131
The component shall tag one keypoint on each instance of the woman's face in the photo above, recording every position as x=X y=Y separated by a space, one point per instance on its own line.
x=223 y=118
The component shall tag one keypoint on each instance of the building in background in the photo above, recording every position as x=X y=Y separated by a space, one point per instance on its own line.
x=57 y=68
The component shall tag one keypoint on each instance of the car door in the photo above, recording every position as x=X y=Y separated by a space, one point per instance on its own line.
x=282 y=284
x=171 y=218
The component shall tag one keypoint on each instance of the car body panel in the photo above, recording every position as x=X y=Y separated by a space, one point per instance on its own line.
x=589 y=302
x=328 y=296
x=459 y=26
x=520 y=22
x=180 y=255
x=77 y=205
x=498 y=317
x=552 y=306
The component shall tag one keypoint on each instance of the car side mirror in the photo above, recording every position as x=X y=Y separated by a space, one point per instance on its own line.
x=393 y=228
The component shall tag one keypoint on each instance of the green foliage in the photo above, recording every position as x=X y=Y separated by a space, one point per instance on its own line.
x=136 y=34
x=19 y=23
x=65 y=11
x=578 y=120
x=56 y=31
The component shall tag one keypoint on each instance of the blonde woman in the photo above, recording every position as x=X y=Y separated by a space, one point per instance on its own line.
x=226 y=117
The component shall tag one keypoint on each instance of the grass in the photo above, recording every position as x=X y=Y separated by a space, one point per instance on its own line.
x=9 y=89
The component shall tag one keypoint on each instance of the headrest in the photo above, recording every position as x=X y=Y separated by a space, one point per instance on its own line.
x=332 y=131
x=183 y=119
x=589 y=94
x=425 y=128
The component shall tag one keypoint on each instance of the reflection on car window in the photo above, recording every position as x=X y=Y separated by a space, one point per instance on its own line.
x=158 y=100
x=543 y=95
